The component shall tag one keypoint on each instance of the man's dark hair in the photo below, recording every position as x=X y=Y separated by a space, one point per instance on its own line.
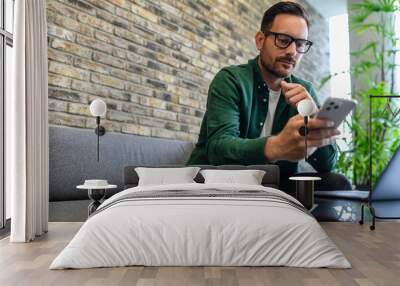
x=285 y=7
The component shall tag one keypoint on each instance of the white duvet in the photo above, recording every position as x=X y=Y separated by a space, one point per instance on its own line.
x=200 y=231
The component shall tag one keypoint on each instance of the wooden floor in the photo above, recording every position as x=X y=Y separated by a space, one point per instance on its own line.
x=375 y=257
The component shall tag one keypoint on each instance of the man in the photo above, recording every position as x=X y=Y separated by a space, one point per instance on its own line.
x=251 y=115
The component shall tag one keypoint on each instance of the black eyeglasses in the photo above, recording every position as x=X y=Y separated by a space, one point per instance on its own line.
x=283 y=41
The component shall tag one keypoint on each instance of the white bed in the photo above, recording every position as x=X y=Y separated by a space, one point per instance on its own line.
x=206 y=230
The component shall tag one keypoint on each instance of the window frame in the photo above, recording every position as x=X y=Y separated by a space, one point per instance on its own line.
x=6 y=39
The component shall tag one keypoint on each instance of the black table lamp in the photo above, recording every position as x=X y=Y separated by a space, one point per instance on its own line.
x=98 y=108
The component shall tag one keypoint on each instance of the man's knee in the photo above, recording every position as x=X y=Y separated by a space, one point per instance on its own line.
x=331 y=181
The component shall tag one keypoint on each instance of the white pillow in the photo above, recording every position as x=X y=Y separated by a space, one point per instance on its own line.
x=164 y=176
x=248 y=177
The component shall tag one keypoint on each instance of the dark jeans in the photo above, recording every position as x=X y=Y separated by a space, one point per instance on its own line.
x=329 y=182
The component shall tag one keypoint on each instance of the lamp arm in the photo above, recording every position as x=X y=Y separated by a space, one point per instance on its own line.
x=305 y=135
x=98 y=137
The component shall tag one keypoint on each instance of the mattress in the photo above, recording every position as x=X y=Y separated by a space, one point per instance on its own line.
x=201 y=225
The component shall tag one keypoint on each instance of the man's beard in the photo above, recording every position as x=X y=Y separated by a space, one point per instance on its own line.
x=270 y=68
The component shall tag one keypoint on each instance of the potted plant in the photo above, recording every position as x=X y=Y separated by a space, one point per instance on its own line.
x=374 y=72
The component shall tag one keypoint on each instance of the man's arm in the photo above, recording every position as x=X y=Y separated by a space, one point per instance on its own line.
x=289 y=144
x=224 y=146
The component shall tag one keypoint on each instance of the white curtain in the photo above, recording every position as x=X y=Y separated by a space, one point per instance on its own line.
x=27 y=123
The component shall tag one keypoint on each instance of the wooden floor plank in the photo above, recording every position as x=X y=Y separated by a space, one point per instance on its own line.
x=374 y=255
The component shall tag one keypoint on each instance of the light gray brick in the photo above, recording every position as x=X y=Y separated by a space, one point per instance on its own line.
x=68 y=71
x=126 y=76
x=152 y=102
x=58 y=105
x=119 y=53
x=162 y=133
x=136 y=109
x=61 y=33
x=185 y=100
x=95 y=22
x=126 y=4
x=108 y=60
x=78 y=108
x=100 y=90
x=116 y=115
x=102 y=4
x=93 y=44
x=59 y=56
x=59 y=80
x=91 y=65
x=143 y=13
x=65 y=95
x=61 y=9
x=189 y=119
x=165 y=114
x=107 y=80
x=58 y=118
x=71 y=24
x=138 y=89
x=80 y=5
x=132 y=37
x=136 y=129
x=152 y=122
x=107 y=38
x=71 y=48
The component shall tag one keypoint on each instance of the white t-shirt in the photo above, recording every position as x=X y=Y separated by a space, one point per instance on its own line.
x=272 y=103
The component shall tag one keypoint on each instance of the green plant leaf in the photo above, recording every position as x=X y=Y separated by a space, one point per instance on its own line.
x=372 y=60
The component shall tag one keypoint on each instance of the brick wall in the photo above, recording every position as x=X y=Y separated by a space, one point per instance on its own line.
x=152 y=61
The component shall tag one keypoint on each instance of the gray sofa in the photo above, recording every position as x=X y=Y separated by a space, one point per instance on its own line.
x=73 y=158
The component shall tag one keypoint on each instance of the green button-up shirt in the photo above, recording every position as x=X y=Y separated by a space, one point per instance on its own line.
x=237 y=107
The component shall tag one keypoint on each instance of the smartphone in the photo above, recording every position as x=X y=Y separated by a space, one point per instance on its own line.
x=336 y=109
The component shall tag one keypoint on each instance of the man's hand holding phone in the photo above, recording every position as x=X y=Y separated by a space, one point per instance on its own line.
x=289 y=144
